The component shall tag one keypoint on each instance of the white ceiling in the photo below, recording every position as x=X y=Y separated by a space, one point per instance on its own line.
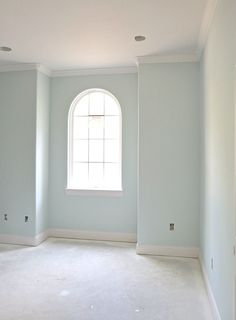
x=71 y=34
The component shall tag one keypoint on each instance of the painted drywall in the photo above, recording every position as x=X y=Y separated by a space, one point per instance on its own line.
x=168 y=154
x=217 y=185
x=17 y=151
x=93 y=213
x=42 y=151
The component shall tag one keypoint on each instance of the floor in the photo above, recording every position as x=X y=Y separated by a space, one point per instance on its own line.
x=87 y=280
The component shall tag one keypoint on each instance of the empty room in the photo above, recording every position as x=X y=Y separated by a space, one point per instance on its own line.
x=117 y=160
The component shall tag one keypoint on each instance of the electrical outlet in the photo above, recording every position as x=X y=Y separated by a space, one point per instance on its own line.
x=212 y=264
x=5 y=217
x=172 y=226
x=26 y=218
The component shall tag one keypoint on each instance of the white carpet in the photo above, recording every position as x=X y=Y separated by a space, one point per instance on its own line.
x=87 y=280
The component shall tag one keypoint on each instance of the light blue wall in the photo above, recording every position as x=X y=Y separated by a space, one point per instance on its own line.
x=17 y=151
x=112 y=214
x=42 y=152
x=24 y=149
x=168 y=154
x=217 y=208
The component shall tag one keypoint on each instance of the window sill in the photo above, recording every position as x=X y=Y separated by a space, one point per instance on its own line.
x=91 y=193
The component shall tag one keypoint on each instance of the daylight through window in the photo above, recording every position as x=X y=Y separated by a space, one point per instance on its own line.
x=94 y=142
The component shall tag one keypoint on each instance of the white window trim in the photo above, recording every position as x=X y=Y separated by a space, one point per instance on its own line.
x=70 y=190
x=93 y=192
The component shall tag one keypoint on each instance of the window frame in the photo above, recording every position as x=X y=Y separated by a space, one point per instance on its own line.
x=71 y=190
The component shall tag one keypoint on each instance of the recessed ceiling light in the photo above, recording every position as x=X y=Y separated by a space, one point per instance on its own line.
x=139 y=38
x=5 y=49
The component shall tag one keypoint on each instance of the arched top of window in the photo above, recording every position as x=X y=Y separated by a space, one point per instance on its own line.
x=94 y=142
x=95 y=102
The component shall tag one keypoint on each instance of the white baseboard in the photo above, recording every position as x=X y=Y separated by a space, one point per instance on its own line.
x=93 y=235
x=24 y=240
x=41 y=237
x=18 y=240
x=214 y=308
x=68 y=233
x=188 y=252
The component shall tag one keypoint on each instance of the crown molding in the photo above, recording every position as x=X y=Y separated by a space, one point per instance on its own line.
x=25 y=67
x=67 y=73
x=207 y=20
x=41 y=68
x=95 y=71
x=167 y=58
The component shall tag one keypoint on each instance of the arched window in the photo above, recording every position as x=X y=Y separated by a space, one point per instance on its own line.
x=94 y=142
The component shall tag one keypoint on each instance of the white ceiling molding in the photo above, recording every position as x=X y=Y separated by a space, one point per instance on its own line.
x=207 y=20
x=66 y=73
x=91 y=71
x=25 y=67
x=44 y=70
x=168 y=59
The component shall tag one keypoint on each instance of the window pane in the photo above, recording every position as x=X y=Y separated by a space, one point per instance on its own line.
x=80 y=150
x=112 y=151
x=112 y=177
x=96 y=105
x=95 y=175
x=112 y=127
x=81 y=108
x=95 y=130
x=111 y=107
x=80 y=127
x=80 y=175
x=95 y=151
x=96 y=127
